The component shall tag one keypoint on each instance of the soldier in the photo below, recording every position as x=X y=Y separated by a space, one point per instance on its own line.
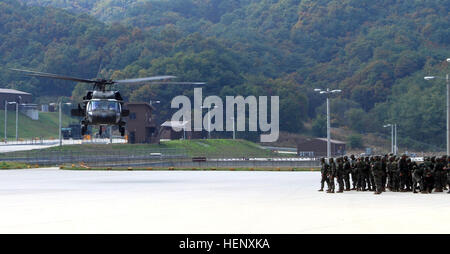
x=393 y=175
x=360 y=169
x=447 y=168
x=437 y=172
x=354 y=172
x=403 y=173
x=364 y=174
x=340 y=174
x=428 y=179
x=377 y=170
x=347 y=171
x=324 y=174
x=417 y=177
x=384 y=167
x=409 y=174
x=371 y=178
x=444 y=172
x=331 y=175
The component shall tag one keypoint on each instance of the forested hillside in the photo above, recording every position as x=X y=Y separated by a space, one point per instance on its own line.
x=377 y=52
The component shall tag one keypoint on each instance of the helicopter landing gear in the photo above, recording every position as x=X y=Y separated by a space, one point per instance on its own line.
x=83 y=130
x=122 y=131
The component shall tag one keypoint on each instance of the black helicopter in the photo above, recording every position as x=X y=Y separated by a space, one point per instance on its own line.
x=102 y=106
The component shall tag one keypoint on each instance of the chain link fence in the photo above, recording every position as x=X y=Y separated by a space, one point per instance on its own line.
x=164 y=157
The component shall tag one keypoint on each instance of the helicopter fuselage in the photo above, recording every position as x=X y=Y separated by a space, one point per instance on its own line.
x=103 y=112
x=102 y=108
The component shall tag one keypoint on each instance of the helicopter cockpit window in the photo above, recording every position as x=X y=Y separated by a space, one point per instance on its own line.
x=104 y=105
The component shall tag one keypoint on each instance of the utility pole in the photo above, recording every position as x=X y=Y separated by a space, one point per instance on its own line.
x=392 y=136
x=6 y=119
x=396 y=146
x=60 y=123
x=448 y=104
x=17 y=121
x=234 y=134
x=327 y=92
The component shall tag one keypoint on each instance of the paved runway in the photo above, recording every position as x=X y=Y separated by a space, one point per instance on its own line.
x=59 y=201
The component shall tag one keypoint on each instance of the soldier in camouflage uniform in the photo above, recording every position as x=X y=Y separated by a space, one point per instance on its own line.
x=384 y=167
x=377 y=171
x=354 y=172
x=417 y=177
x=364 y=174
x=444 y=172
x=324 y=174
x=331 y=175
x=409 y=180
x=340 y=174
x=360 y=169
x=437 y=172
x=371 y=178
x=347 y=171
x=393 y=175
x=448 y=172
x=428 y=178
x=403 y=173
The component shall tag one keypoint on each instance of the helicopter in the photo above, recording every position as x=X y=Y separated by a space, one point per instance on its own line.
x=102 y=106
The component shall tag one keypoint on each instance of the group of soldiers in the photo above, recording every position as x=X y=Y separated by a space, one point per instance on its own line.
x=378 y=173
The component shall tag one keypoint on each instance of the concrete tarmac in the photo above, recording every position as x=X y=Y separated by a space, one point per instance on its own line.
x=49 y=200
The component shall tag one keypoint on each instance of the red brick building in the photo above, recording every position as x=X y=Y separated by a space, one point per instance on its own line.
x=141 y=126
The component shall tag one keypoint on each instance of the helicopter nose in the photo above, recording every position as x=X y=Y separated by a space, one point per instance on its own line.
x=103 y=118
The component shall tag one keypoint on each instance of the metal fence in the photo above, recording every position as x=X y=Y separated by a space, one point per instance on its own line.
x=164 y=157
x=95 y=158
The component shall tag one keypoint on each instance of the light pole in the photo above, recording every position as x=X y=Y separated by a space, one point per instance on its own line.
x=60 y=119
x=328 y=92
x=392 y=135
x=6 y=118
x=395 y=143
x=209 y=119
x=448 y=104
x=156 y=102
x=17 y=117
x=234 y=133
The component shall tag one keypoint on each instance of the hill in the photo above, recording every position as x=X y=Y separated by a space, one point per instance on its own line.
x=377 y=52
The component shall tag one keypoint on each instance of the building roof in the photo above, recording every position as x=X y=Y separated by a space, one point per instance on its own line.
x=332 y=141
x=12 y=91
x=175 y=124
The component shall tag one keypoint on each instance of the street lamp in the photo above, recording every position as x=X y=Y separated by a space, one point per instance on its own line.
x=328 y=92
x=60 y=119
x=209 y=119
x=6 y=118
x=17 y=118
x=234 y=133
x=156 y=102
x=394 y=148
x=448 y=104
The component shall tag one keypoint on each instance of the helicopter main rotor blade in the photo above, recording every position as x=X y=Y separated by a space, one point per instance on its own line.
x=177 y=83
x=142 y=80
x=53 y=76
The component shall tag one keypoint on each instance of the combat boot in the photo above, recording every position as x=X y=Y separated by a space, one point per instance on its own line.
x=320 y=190
x=377 y=193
